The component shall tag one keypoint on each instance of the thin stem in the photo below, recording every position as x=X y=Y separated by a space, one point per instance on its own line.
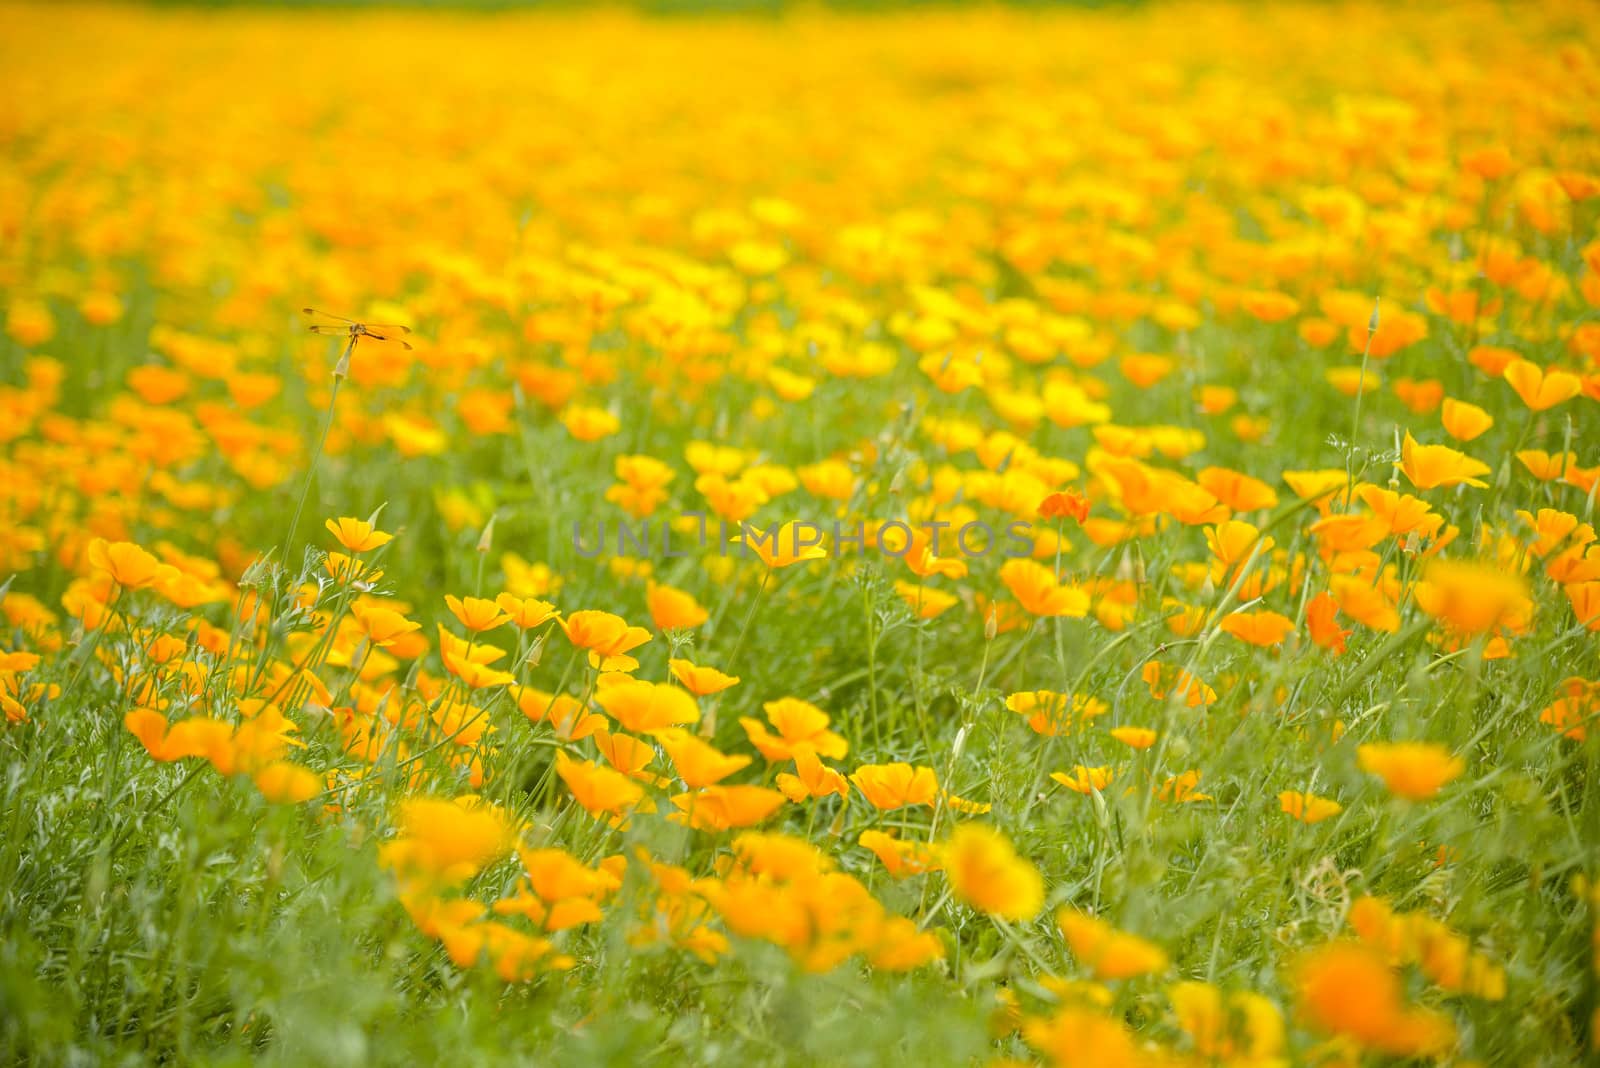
x=316 y=454
x=872 y=661
x=749 y=617
x=156 y=806
x=92 y=644
x=1355 y=421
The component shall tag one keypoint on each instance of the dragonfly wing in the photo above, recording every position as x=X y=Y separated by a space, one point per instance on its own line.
x=384 y=341
x=319 y=318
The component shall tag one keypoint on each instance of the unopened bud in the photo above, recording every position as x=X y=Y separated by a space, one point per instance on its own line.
x=342 y=368
x=1102 y=816
x=487 y=537
x=1372 y=323
x=1125 y=570
x=991 y=626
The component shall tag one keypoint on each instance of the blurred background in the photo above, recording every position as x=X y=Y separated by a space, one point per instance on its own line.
x=657 y=7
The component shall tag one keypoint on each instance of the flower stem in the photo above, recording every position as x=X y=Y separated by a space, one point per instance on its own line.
x=316 y=454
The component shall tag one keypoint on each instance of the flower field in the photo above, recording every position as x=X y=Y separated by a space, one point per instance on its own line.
x=973 y=536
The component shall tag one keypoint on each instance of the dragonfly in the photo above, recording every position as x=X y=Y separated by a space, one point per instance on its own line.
x=338 y=326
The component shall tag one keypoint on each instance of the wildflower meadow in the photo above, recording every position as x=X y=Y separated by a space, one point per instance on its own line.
x=962 y=535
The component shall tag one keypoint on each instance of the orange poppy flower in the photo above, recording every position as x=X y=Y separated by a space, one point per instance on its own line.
x=1308 y=807
x=626 y=753
x=357 y=535
x=1464 y=421
x=1234 y=543
x=1348 y=532
x=598 y=789
x=1050 y=713
x=384 y=626
x=985 y=872
x=720 y=808
x=1431 y=466
x=1040 y=591
x=1262 y=628
x=588 y=423
x=783 y=546
x=1238 y=491
x=1146 y=369
x=1134 y=737
x=1547 y=467
x=1401 y=514
x=1163 y=679
x=1413 y=770
x=607 y=637
x=812 y=778
x=130 y=566
x=1321 y=612
x=698 y=763
x=1270 y=307
x=1085 y=780
x=1364 y=603
x=1474 y=598
x=1585 y=600
x=1348 y=989
x=892 y=786
x=1575 y=709
x=1065 y=503
x=700 y=681
x=673 y=609
x=645 y=707
x=1107 y=952
x=526 y=613
x=1541 y=388
x=286 y=783
x=926 y=602
x=1323 y=488
x=1420 y=397
x=800 y=725
x=196 y=736
x=477 y=614
x=901 y=858
x=1182 y=788
x=567 y=717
